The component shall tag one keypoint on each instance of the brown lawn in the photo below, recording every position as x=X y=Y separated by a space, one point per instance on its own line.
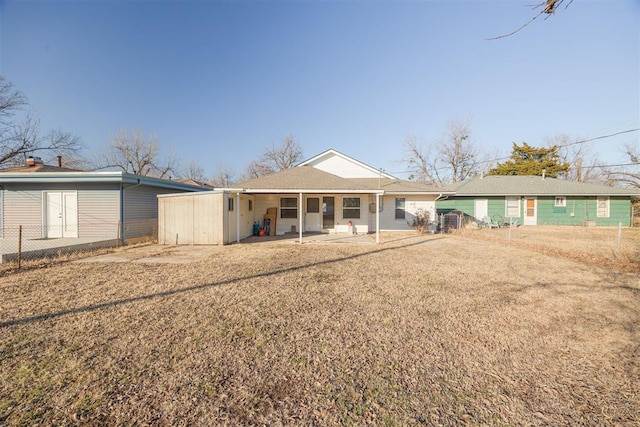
x=419 y=330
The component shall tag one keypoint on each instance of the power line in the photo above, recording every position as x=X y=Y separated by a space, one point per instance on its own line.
x=583 y=141
x=601 y=137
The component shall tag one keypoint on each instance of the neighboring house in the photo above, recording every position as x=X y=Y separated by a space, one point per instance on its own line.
x=53 y=202
x=328 y=193
x=534 y=200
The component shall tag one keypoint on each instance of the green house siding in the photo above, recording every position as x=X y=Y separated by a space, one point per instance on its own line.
x=576 y=211
x=460 y=204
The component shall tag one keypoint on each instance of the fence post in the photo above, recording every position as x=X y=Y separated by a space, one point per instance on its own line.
x=19 y=246
x=619 y=236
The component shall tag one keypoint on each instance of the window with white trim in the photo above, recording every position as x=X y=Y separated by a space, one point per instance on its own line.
x=561 y=202
x=350 y=207
x=230 y=204
x=400 y=212
x=603 y=207
x=512 y=207
x=288 y=207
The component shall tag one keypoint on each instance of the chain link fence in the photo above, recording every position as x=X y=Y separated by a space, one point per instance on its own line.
x=33 y=245
x=613 y=246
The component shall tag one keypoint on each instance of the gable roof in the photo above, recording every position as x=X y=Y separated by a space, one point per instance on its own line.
x=517 y=185
x=331 y=159
x=307 y=179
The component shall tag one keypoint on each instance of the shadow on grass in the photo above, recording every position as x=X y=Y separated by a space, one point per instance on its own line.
x=164 y=294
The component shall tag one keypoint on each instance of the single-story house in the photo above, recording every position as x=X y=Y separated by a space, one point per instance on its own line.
x=328 y=193
x=536 y=200
x=54 y=202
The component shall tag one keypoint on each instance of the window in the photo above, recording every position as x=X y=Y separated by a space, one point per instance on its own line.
x=230 y=204
x=250 y=205
x=512 y=207
x=603 y=207
x=313 y=205
x=561 y=202
x=288 y=207
x=400 y=207
x=351 y=207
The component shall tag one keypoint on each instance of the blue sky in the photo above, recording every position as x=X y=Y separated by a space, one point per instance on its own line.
x=219 y=81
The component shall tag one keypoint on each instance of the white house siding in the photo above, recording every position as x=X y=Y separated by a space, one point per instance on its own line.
x=246 y=217
x=361 y=224
x=343 y=168
x=388 y=221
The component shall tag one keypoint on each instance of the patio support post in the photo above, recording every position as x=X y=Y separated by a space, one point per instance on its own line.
x=377 y=217
x=238 y=217
x=300 y=217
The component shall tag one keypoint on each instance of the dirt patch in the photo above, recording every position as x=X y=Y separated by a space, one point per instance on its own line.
x=419 y=330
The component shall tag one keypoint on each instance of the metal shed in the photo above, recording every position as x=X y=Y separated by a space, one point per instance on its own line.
x=209 y=218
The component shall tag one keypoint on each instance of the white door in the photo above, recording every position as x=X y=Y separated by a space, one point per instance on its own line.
x=53 y=224
x=530 y=211
x=61 y=216
x=312 y=218
x=480 y=208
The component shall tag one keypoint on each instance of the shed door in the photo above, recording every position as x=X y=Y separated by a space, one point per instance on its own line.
x=312 y=219
x=530 y=211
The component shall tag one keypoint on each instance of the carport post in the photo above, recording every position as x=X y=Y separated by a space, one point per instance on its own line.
x=377 y=217
x=300 y=217
x=238 y=217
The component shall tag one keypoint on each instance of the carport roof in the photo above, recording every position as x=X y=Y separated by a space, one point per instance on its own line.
x=309 y=179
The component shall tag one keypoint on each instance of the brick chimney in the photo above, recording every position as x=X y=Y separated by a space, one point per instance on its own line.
x=33 y=161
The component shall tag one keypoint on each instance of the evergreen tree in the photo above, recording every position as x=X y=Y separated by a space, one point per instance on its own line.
x=528 y=160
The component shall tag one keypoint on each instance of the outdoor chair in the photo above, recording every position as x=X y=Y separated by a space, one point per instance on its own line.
x=489 y=223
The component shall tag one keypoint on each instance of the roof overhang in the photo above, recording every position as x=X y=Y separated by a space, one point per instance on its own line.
x=93 y=177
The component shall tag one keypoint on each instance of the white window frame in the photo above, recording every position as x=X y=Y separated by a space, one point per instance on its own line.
x=509 y=210
x=560 y=202
x=285 y=211
x=603 y=206
x=401 y=208
x=353 y=210
x=231 y=204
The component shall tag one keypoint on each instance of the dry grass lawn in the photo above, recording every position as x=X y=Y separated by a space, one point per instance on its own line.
x=420 y=330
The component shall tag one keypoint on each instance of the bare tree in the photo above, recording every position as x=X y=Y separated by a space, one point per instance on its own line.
x=547 y=7
x=419 y=160
x=224 y=176
x=135 y=153
x=583 y=165
x=193 y=171
x=19 y=139
x=458 y=153
x=276 y=159
x=629 y=176
x=452 y=159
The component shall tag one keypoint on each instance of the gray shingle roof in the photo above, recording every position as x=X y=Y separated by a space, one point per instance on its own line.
x=515 y=185
x=308 y=178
